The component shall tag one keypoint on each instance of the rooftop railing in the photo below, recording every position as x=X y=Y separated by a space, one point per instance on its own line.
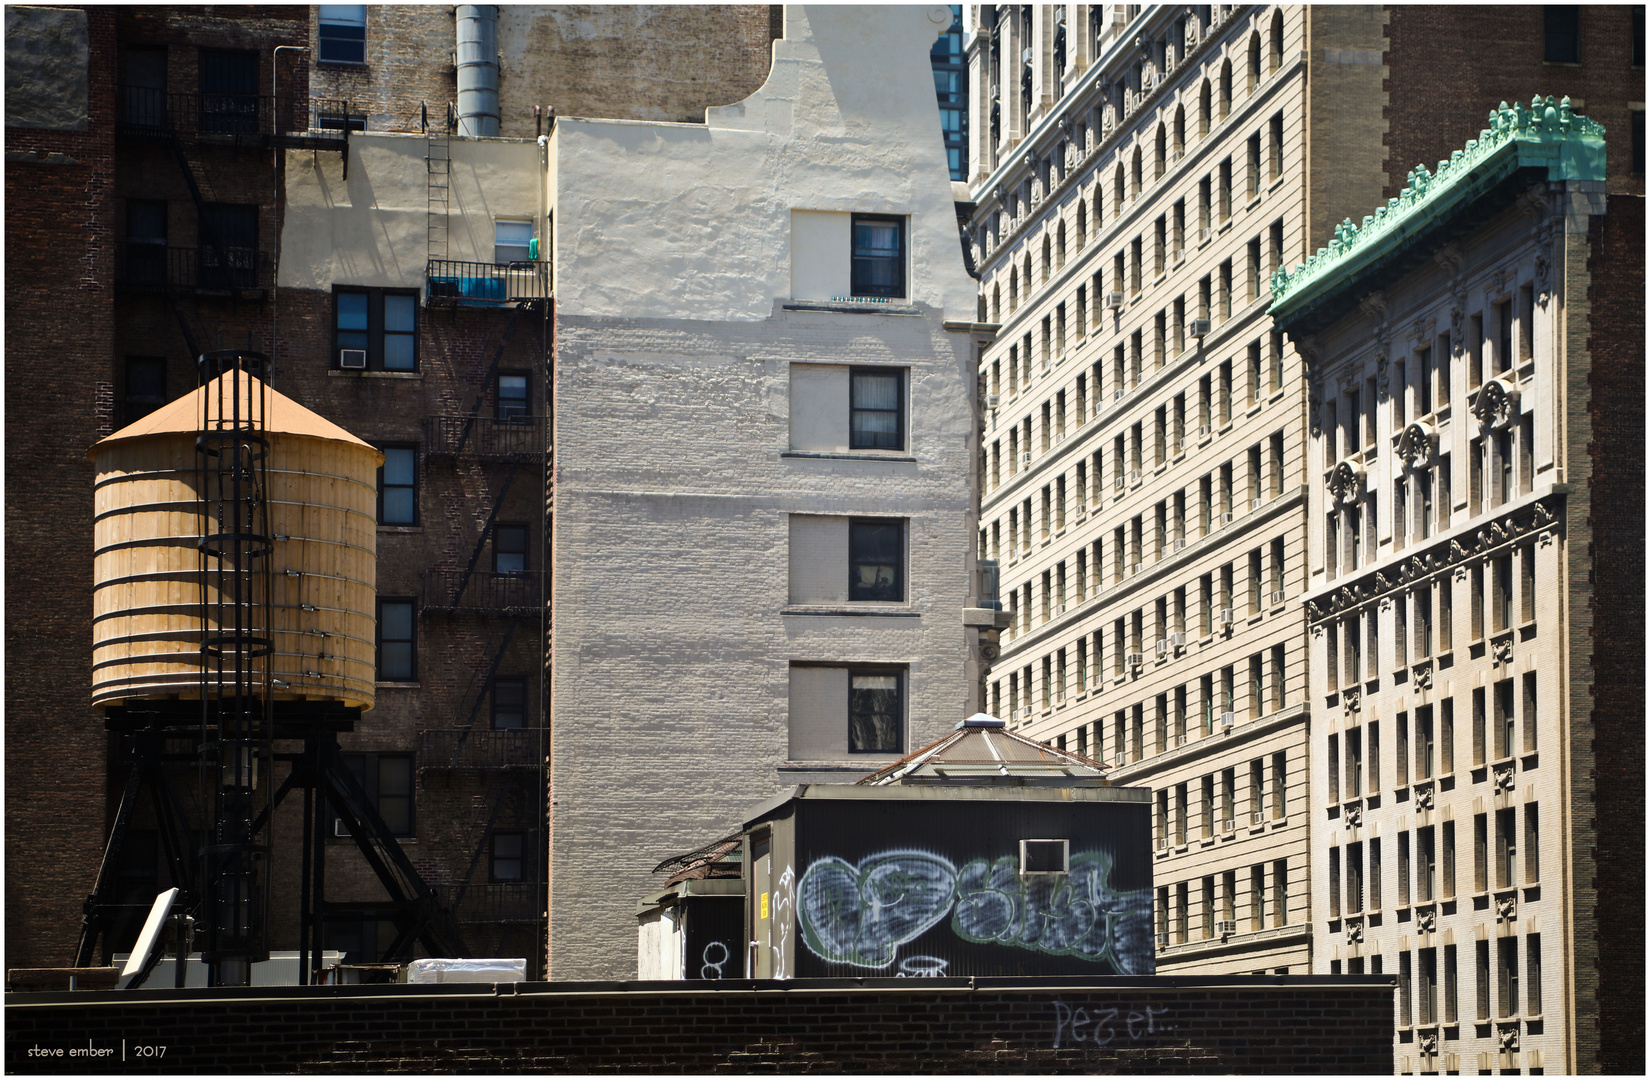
x=456 y=283
x=148 y=112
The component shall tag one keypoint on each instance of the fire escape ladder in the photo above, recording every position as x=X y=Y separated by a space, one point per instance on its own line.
x=487 y=378
x=485 y=689
x=438 y=169
x=486 y=529
x=503 y=786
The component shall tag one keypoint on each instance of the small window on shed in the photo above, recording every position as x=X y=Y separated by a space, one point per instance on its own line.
x=1045 y=856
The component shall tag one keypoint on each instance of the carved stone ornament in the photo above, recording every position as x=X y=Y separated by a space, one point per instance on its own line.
x=1414 y=445
x=1426 y=920
x=1354 y=931
x=1429 y=1045
x=1504 y=778
x=1346 y=483
x=1503 y=648
x=1351 y=699
x=1421 y=332
x=1508 y=1037
x=1507 y=908
x=1423 y=676
x=1423 y=797
x=1496 y=405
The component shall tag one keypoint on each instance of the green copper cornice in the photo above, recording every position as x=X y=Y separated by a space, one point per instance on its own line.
x=1546 y=135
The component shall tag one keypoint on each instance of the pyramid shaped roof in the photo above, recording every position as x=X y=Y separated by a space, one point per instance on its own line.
x=282 y=416
x=981 y=749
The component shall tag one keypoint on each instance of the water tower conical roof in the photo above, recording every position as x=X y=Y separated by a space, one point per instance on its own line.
x=282 y=416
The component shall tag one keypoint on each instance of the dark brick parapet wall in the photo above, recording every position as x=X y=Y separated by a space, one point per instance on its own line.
x=1244 y=1024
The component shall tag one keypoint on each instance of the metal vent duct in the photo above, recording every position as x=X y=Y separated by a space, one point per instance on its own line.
x=477 y=69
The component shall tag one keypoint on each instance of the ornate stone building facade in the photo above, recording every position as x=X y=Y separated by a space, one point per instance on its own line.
x=1447 y=346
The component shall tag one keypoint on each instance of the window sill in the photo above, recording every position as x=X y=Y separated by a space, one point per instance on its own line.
x=846 y=456
x=351 y=65
x=852 y=307
x=400 y=528
x=339 y=373
x=834 y=610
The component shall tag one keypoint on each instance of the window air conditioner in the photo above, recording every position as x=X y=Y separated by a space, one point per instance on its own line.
x=1177 y=640
x=1180 y=740
x=1114 y=301
x=1180 y=543
x=1119 y=483
x=991 y=401
x=1134 y=568
x=1228 y=825
x=1025 y=712
x=1163 y=941
x=1162 y=845
x=1117 y=395
x=1059 y=610
x=1204 y=431
x=1226 y=519
x=1136 y=659
x=352 y=358
x=1204 y=234
x=1227 y=719
x=1199 y=328
x=1134 y=476
x=1025 y=457
x=1161 y=646
x=1226 y=927
x=1255 y=504
x=1179 y=255
x=1257 y=818
x=1277 y=597
x=1226 y=616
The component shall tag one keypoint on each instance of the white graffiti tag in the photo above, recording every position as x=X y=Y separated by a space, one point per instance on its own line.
x=1097 y=1026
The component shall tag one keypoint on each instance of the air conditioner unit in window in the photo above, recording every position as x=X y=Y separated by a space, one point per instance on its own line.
x=1134 y=476
x=991 y=401
x=1163 y=941
x=1204 y=431
x=1134 y=568
x=1119 y=484
x=1204 y=234
x=1161 y=646
x=1226 y=616
x=1255 y=504
x=1025 y=712
x=1225 y=519
x=1257 y=818
x=1179 y=255
x=1198 y=328
x=1059 y=610
x=1180 y=740
x=1277 y=597
x=1117 y=395
x=1226 y=927
x=355 y=359
x=1135 y=659
x=1228 y=825
x=1180 y=543
x=1114 y=301
x=1227 y=719
x=1025 y=457
x=1177 y=640
x=1163 y=845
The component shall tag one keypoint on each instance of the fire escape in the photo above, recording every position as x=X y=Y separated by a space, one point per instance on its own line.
x=496 y=595
x=226 y=262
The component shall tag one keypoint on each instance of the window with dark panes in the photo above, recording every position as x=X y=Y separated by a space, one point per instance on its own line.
x=397 y=643
x=879 y=256
x=509 y=703
x=229 y=246
x=342 y=34
x=229 y=91
x=512 y=396
x=876 y=557
x=143 y=86
x=508 y=861
x=145 y=386
x=398 y=486
x=876 y=401
x=876 y=712
x=146 y=241
x=509 y=549
x=388 y=782
x=1563 y=34
x=381 y=323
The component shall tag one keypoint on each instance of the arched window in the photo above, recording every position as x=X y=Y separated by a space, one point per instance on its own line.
x=1117 y=195
x=1160 y=152
x=1254 y=62
x=1179 y=130
x=1060 y=246
x=996 y=303
x=1134 y=172
x=1013 y=290
x=1204 y=98
x=1045 y=257
x=1277 y=40
x=1225 y=89
x=1027 y=281
x=1082 y=224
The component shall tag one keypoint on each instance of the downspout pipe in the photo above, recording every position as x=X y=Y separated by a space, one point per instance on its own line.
x=477 y=70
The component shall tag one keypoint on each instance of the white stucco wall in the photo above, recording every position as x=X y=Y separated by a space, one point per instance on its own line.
x=691 y=221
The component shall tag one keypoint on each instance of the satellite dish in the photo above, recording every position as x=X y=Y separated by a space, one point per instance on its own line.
x=151 y=933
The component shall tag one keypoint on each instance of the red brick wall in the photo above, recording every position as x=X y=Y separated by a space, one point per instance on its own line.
x=59 y=328
x=1617 y=453
x=1449 y=64
x=1244 y=1024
